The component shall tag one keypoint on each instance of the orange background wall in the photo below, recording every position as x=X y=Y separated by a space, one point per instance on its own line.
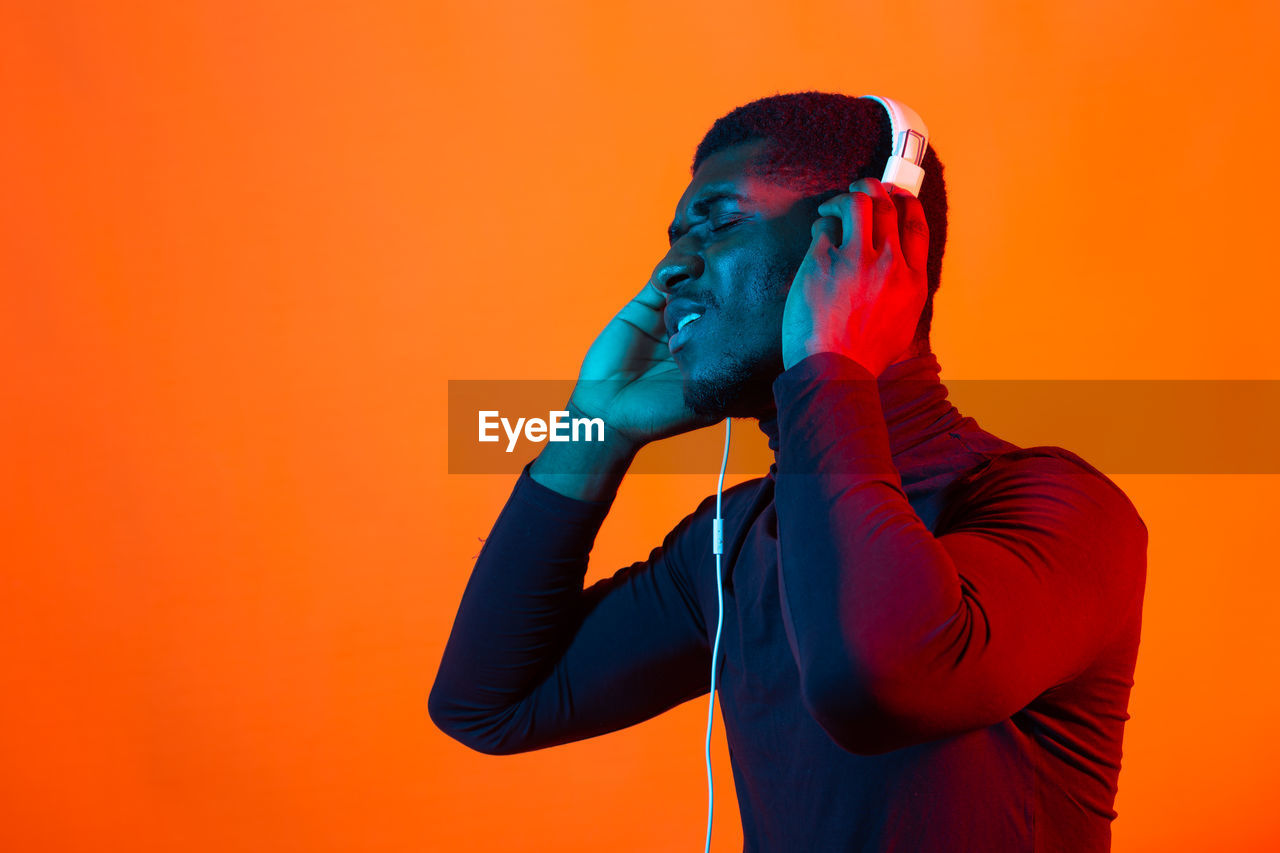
x=244 y=246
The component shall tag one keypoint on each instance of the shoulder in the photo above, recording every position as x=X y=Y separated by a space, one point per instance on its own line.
x=1057 y=504
x=1063 y=520
x=690 y=539
x=1054 y=468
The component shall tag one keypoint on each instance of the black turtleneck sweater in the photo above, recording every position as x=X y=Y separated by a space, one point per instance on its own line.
x=929 y=634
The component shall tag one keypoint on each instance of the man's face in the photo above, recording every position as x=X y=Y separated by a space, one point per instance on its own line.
x=736 y=243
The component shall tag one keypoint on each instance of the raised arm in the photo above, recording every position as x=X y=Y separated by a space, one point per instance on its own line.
x=901 y=636
x=534 y=660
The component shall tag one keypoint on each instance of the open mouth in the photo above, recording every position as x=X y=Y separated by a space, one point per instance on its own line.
x=683 y=331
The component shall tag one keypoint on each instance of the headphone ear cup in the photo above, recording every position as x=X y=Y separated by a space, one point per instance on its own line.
x=909 y=139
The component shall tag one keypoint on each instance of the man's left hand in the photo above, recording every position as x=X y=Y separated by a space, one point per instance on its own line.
x=862 y=295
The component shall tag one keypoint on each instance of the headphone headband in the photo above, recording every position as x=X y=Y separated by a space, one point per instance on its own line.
x=909 y=139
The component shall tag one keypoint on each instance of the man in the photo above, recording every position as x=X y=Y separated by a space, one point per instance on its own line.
x=929 y=634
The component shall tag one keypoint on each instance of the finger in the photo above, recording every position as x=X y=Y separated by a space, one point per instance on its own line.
x=853 y=211
x=913 y=229
x=650 y=297
x=835 y=209
x=645 y=312
x=884 y=214
x=826 y=232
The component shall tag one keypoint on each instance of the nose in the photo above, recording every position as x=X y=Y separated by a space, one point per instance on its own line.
x=679 y=266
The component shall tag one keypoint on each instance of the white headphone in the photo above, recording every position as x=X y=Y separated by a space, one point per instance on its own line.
x=910 y=139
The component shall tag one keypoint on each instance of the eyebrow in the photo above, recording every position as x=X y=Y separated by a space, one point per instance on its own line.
x=702 y=205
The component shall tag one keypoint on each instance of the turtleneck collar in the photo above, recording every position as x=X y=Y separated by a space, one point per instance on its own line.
x=914 y=402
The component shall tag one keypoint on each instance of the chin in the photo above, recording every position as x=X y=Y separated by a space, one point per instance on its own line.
x=733 y=389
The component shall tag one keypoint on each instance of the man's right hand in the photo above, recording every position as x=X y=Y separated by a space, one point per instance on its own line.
x=630 y=380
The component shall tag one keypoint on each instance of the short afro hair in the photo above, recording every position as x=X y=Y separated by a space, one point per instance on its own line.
x=820 y=142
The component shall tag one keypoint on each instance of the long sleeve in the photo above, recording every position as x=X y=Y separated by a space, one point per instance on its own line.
x=901 y=636
x=535 y=660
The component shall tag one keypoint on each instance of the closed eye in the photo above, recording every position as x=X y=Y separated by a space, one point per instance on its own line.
x=726 y=224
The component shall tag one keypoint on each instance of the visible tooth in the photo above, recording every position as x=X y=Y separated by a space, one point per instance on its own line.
x=686 y=320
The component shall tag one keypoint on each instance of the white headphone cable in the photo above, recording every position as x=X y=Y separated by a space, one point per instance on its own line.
x=717 y=548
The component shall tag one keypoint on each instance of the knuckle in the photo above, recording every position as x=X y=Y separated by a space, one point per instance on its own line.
x=918 y=226
x=884 y=205
x=823 y=225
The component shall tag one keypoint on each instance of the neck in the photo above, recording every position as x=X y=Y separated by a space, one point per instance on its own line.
x=912 y=397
